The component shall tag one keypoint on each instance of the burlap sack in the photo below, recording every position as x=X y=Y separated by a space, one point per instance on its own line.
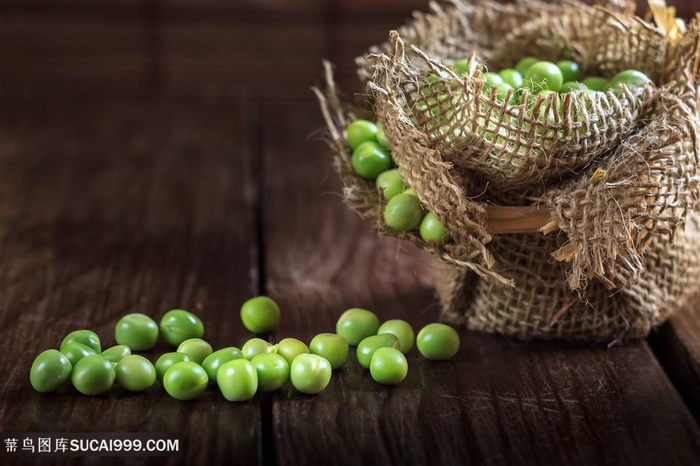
x=614 y=176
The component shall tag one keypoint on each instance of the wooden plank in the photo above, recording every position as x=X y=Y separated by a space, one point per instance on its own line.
x=499 y=402
x=677 y=346
x=114 y=208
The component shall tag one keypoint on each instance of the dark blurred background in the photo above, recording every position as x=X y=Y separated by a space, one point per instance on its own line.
x=190 y=47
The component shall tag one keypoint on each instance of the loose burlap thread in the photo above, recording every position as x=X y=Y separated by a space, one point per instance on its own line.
x=617 y=172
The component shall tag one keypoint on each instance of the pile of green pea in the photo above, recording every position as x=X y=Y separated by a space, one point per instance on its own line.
x=259 y=366
x=371 y=160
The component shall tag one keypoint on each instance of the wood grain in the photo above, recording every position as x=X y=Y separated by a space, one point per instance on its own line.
x=499 y=402
x=107 y=209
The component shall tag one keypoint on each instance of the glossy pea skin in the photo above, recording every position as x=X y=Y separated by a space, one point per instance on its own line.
x=50 y=371
x=492 y=79
x=195 y=348
x=630 y=78
x=290 y=348
x=572 y=86
x=369 y=345
x=255 y=346
x=511 y=77
x=360 y=131
x=169 y=359
x=595 y=83
x=76 y=351
x=369 y=160
x=570 y=70
x=85 y=337
x=432 y=231
x=185 y=380
x=93 y=375
x=543 y=75
x=116 y=353
x=237 y=380
x=260 y=314
x=388 y=366
x=524 y=64
x=135 y=373
x=438 y=342
x=381 y=138
x=332 y=347
x=402 y=330
x=272 y=369
x=137 y=331
x=215 y=360
x=390 y=183
x=179 y=325
x=310 y=373
x=356 y=324
x=403 y=212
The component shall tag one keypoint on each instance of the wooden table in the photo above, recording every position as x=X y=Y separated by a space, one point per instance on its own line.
x=112 y=203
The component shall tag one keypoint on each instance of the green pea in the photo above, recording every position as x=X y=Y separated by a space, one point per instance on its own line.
x=332 y=347
x=93 y=375
x=403 y=212
x=492 y=79
x=543 y=75
x=215 y=360
x=388 y=366
x=410 y=191
x=260 y=314
x=381 y=138
x=195 y=348
x=525 y=64
x=511 y=77
x=432 y=231
x=402 y=330
x=76 y=351
x=273 y=371
x=169 y=359
x=356 y=324
x=116 y=353
x=137 y=331
x=572 y=86
x=630 y=78
x=370 y=160
x=460 y=67
x=391 y=183
x=595 y=83
x=50 y=371
x=185 y=380
x=310 y=373
x=255 y=346
x=86 y=337
x=369 y=345
x=360 y=131
x=237 y=380
x=569 y=70
x=438 y=342
x=179 y=325
x=135 y=373
x=290 y=348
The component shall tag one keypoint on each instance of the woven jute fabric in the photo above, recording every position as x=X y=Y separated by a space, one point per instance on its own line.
x=616 y=172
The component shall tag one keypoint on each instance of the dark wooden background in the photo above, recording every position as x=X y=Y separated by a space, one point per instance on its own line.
x=159 y=154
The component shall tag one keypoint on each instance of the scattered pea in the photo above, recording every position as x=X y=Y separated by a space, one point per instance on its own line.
x=116 y=353
x=369 y=345
x=360 y=131
x=381 y=138
x=50 y=371
x=273 y=371
x=310 y=373
x=369 y=160
x=76 y=351
x=569 y=70
x=403 y=212
x=511 y=77
x=260 y=314
x=543 y=75
x=195 y=348
x=391 y=183
x=290 y=348
x=524 y=64
x=93 y=375
x=438 y=342
x=137 y=331
x=215 y=360
x=356 y=324
x=185 y=380
x=432 y=231
x=595 y=83
x=135 y=373
x=179 y=325
x=86 y=337
x=402 y=330
x=169 y=359
x=254 y=346
x=332 y=347
x=388 y=366
x=237 y=380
